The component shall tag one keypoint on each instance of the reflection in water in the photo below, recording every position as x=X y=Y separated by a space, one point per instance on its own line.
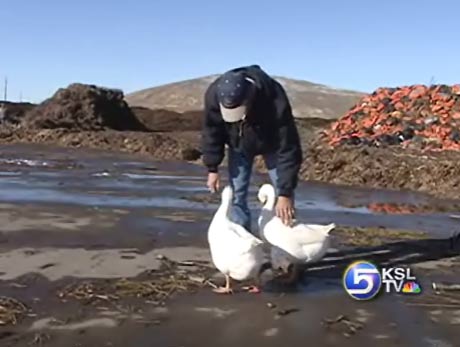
x=55 y=196
x=160 y=190
x=160 y=177
x=130 y=185
x=9 y=173
x=25 y=162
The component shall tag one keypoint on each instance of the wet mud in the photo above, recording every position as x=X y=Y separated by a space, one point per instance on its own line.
x=106 y=249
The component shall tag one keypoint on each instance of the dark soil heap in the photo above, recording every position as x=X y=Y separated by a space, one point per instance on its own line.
x=84 y=107
x=436 y=173
x=416 y=116
x=13 y=112
x=169 y=121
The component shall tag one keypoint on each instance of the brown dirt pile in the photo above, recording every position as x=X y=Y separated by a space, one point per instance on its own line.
x=14 y=112
x=83 y=107
x=412 y=116
x=156 y=145
x=166 y=120
x=436 y=173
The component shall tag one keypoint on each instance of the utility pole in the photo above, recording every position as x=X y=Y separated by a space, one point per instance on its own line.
x=5 y=89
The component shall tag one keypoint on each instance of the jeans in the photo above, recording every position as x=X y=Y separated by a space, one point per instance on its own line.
x=240 y=170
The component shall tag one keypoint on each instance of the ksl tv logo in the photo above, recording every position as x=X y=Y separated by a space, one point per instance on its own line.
x=362 y=280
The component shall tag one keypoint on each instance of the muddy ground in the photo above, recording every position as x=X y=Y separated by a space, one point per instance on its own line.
x=177 y=138
x=106 y=249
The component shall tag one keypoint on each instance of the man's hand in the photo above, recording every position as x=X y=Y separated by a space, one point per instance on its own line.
x=285 y=209
x=213 y=182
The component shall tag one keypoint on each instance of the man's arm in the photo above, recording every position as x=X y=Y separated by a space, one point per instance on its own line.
x=213 y=134
x=290 y=150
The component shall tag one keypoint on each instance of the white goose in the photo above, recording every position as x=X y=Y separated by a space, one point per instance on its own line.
x=291 y=245
x=234 y=251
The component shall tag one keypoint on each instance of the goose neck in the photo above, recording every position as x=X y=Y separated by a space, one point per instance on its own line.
x=270 y=203
x=224 y=208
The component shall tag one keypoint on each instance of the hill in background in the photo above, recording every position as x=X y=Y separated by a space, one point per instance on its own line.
x=309 y=100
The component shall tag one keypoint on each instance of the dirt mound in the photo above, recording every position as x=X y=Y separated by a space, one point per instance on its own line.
x=166 y=120
x=14 y=112
x=156 y=145
x=413 y=116
x=83 y=107
x=435 y=173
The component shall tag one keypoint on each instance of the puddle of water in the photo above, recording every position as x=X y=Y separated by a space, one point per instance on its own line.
x=55 y=196
x=27 y=188
x=139 y=176
x=160 y=177
x=132 y=184
x=24 y=180
x=310 y=197
x=102 y=174
x=8 y=173
x=152 y=186
x=24 y=162
x=36 y=163
x=328 y=206
x=191 y=189
x=77 y=181
x=46 y=174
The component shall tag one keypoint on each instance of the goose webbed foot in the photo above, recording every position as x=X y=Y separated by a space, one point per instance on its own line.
x=226 y=289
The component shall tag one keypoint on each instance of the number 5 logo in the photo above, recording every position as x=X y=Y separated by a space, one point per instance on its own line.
x=366 y=276
x=362 y=280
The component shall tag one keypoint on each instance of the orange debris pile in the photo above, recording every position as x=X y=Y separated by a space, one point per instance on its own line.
x=389 y=208
x=419 y=116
